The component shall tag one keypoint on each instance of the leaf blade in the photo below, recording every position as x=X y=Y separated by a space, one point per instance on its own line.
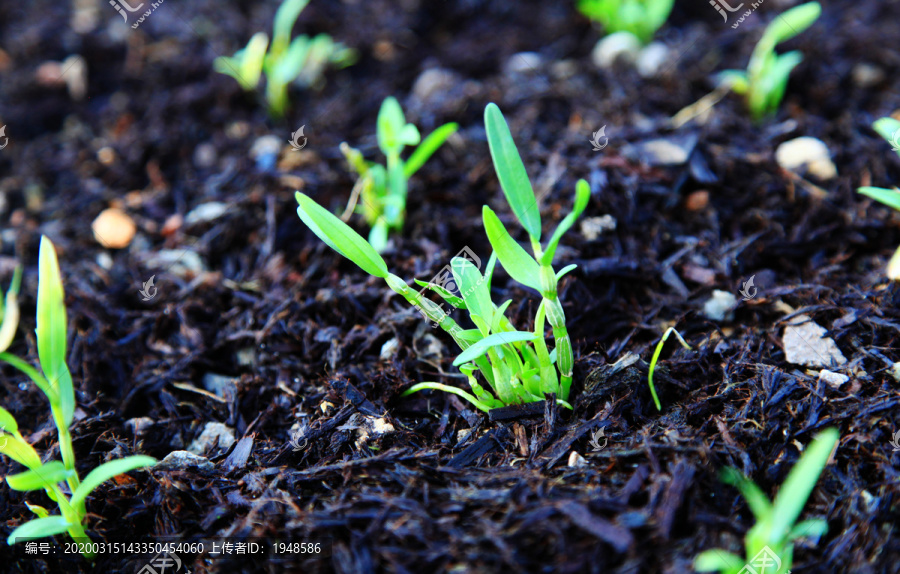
x=39 y=528
x=481 y=347
x=107 y=471
x=518 y=263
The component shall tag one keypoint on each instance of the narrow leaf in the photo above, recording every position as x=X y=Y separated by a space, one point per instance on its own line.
x=51 y=329
x=19 y=450
x=889 y=197
x=39 y=478
x=340 y=236
x=39 y=528
x=511 y=172
x=8 y=422
x=518 y=263
x=427 y=148
x=800 y=482
x=717 y=560
x=582 y=196
x=757 y=500
x=791 y=23
x=889 y=129
x=491 y=341
x=106 y=471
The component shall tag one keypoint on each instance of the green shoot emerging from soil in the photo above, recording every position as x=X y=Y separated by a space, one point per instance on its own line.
x=765 y=80
x=516 y=364
x=301 y=60
x=383 y=188
x=889 y=129
x=655 y=358
x=56 y=384
x=639 y=17
x=775 y=530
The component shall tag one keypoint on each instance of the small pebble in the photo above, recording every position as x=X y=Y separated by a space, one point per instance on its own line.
x=651 y=59
x=106 y=155
x=697 y=200
x=206 y=212
x=576 y=460
x=834 y=380
x=620 y=45
x=665 y=151
x=219 y=384
x=114 y=228
x=180 y=262
x=265 y=151
x=866 y=75
x=805 y=344
x=524 y=63
x=139 y=425
x=182 y=459
x=719 y=307
x=806 y=153
x=389 y=349
x=432 y=82
x=205 y=155
x=594 y=227
x=213 y=433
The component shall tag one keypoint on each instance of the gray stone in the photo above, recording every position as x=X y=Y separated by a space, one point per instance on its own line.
x=806 y=153
x=719 y=307
x=213 y=434
x=618 y=46
x=182 y=459
x=805 y=344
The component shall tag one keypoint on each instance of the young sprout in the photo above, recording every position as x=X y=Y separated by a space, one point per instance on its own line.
x=383 y=187
x=655 y=358
x=765 y=80
x=889 y=129
x=301 y=60
x=771 y=538
x=642 y=18
x=55 y=381
x=516 y=365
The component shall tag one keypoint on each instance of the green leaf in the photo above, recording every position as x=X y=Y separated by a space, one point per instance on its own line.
x=564 y=270
x=448 y=389
x=39 y=478
x=285 y=18
x=757 y=501
x=34 y=375
x=582 y=196
x=791 y=23
x=511 y=172
x=340 y=237
x=713 y=560
x=775 y=79
x=813 y=528
x=8 y=422
x=491 y=341
x=389 y=126
x=287 y=67
x=51 y=329
x=427 y=148
x=470 y=335
x=889 y=197
x=445 y=295
x=19 y=450
x=800 y=482
x=473 y=289
x=889 y=129
x=40 y=511
x=106 y=471
x=518 y=263
x=39 y=528
x=736 y=79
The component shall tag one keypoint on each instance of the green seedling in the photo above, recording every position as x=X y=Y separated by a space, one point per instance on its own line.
x=516 y=364
x=655 y=358
x=889 y=129
x=642 y=18
x=764 y=82
x=383 y=188
x=55 y=381
x=301 y=61
x=776 y=525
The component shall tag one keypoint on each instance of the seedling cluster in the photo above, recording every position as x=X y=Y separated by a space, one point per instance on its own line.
x=55 y=381
x=382 y=189
x=776 y=525
x=517 y=365
x=764 y=82
x=642 y=18
x=301 y=61
x=889 y=129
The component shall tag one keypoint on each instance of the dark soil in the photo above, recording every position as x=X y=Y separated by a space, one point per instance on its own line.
x=296 y=331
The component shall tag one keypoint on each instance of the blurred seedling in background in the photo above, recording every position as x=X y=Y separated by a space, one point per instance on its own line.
x=776 y=525
x=55 y=381
x=889 y=129
x=764 y=82
x=641 y=18
x=655 y=359
x=301 y=61
x=517 y=365
x=380 y=192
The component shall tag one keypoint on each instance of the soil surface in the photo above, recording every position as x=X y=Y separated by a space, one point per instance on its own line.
x=257 y=325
